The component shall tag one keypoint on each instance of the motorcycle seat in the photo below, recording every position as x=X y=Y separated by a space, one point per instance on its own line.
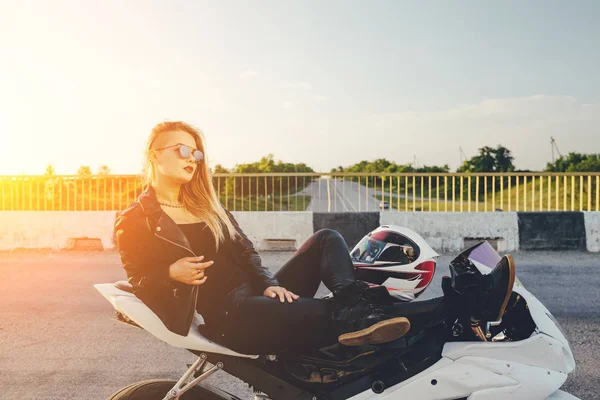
x=120 y=295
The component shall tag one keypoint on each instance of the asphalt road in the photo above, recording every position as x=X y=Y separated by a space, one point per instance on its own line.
x=58 y=341
x=337 y=195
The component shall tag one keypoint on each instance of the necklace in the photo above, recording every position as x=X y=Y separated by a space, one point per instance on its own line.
x=170 y=205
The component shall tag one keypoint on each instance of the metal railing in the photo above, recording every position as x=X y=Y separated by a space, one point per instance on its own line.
x=324 y=192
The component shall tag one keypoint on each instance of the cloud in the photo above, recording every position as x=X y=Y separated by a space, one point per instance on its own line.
x=299 y=85
x=321 y=98
x=249 y=74
x=532 y=108
x=288 y=105
x=523 y=124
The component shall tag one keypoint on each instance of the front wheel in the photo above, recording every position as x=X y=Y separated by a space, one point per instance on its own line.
x=157 y=389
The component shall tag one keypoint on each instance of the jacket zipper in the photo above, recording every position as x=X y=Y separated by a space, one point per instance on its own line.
x=183 y=247
x=176 y=244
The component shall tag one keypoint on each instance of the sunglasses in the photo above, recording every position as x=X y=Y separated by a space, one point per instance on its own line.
x=185 y=151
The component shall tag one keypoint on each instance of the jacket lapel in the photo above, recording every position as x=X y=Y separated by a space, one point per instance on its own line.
x=159 y=223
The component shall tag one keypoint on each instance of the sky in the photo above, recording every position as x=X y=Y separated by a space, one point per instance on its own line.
x=325 y=83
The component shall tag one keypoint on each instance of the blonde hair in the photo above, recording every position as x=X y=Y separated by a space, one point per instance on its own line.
x=198 y=195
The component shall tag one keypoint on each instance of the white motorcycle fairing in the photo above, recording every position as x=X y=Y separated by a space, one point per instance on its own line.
x=529 y=369
x=135 y=309
x=534 y=368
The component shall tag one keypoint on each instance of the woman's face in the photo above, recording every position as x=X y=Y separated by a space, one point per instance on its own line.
x=169 y=162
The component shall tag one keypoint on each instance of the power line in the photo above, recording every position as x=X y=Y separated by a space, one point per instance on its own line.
x=554 y=147
x=415 y=164
x=463 y=157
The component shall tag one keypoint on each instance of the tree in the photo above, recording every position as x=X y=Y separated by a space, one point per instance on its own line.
x=49 y=183
x=49 y=170
x=84 y=171
x=103 y=170
x=384 y=166
x=489 y=160
x=220 y=170
x=256 y=187
x=575 y=162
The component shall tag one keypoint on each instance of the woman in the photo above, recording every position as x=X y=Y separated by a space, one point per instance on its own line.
x=183 y=251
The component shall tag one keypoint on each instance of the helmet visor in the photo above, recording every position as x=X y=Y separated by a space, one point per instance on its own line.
x=368 y=250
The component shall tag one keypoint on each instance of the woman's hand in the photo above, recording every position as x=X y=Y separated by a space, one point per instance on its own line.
x=283 y=293
x=189 y=270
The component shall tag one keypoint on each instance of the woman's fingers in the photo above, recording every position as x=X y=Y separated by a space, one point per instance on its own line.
x=194 y=262
x=281 y=294
x=294 y=295
x=195 y=265
x=199 y=265
x=194 y=259
x=205 y=265
x=288 y=296
x=199 y=281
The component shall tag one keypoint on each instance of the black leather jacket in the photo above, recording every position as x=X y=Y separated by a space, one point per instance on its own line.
x=149 y=241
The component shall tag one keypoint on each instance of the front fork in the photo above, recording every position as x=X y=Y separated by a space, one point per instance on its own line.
x=479 y=332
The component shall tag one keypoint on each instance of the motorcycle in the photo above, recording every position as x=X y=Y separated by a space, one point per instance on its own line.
x=524 y=355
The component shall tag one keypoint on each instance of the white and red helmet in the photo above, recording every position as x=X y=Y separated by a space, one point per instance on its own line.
x=395 y=257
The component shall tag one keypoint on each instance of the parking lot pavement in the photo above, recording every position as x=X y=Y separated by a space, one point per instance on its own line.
x=58 y=340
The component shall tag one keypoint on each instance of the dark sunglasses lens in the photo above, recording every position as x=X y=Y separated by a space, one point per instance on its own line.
x=184 y=151
x=198 y=155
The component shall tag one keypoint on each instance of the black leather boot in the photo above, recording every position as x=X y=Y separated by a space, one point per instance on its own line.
x=358 y=321
x=484 y=297
x=496 y=290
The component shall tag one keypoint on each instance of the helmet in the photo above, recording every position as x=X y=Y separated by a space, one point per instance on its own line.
x=395 y=257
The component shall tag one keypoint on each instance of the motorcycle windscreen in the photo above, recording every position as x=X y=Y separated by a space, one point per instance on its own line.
x=482 y=253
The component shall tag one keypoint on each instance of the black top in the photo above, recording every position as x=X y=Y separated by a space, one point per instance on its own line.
x=213 y=294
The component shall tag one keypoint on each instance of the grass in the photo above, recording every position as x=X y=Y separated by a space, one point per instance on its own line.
x=425 y=205
x=530 y=195
x=276 y=203
x=533 y=195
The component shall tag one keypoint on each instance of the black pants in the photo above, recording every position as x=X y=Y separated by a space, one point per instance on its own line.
x=259 y=324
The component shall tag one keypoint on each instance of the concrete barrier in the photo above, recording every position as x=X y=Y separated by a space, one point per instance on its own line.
x=53 y=229
x=276 y=230
x=552 y=231
x=260 y=227
x=447 y=231
x=352 y=226
x=592 y=230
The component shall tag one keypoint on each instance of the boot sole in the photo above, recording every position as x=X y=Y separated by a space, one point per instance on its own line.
x=381 y=332
x=511 y=283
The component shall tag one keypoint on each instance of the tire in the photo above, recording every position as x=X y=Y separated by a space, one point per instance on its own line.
x=157 y=389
